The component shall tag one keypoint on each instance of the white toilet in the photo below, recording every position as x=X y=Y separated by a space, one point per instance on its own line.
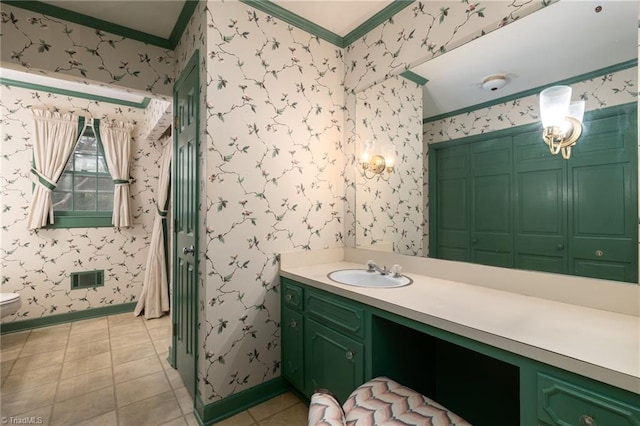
x=9 y=303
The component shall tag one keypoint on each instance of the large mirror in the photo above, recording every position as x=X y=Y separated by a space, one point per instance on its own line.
x=478 y=111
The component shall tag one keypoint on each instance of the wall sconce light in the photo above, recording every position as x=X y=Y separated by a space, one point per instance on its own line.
x=561 y=119
x=375 y=163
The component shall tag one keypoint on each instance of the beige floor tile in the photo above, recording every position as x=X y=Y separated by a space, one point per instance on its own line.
x=83 y=407
x=162 y=344
x=180 y=421
x=14 y=340
x=43 y=413
x=133 y=353
x=88 y=336
x=86 y=349
x=174 y=378
x=31 y=378
x=134 y=369
x=85 y=365
x=135 y=338
x=45 y=344
x=5 y=367
x=293 y=416
x=184 y=399
x=191 y=420
x=123 y=329
x=165 y=321
x=84 y=383
x=151 y=411
x=124 y=318
x=273 y=406
x=86 y=326
x=27 y=400
x=107 y=419
x=160 y=333
x=9 y=354
x=240 y=419
x=141 y=388
x=37 y=361
x=54 y=331
x=164 y=360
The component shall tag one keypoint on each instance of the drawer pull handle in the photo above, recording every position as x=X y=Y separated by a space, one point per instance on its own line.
x=293 y=324
x=599 y=253
x=288 y=297
x=560 y=246
x=586 y=420
x=349 y=354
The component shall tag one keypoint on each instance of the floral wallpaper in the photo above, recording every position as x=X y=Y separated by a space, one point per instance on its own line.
x=389 y=207
x=37 y=264
x=39 y=43
x=274 y=133
x=158 y=117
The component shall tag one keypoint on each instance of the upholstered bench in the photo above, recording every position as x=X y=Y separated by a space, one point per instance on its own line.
x=380 y=401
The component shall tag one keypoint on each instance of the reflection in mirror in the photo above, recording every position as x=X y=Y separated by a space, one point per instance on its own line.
x=597 y=58
x=390 y=211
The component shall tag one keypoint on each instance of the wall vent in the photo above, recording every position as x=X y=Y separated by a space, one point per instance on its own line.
x=87 y=279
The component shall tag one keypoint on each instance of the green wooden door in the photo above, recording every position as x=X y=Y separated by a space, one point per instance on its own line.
x=540 y=207
x=604 y=204
x=185 y=210
x=452 y=201
x=332 y=361
x=492 y=202
x=292 y=347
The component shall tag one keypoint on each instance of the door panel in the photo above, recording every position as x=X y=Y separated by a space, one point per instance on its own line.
x=185 y=226
x=492 y=202
x=452 y=204
x=332 y=361
x=292 y=347
x=540 y=208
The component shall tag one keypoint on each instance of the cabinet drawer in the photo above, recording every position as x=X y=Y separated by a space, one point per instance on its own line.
x=292 y=295
x=565 y=404
x=335 y=312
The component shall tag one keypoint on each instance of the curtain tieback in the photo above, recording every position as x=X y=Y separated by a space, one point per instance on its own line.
x=120 y=182
x=42 y=180
x=161 y=213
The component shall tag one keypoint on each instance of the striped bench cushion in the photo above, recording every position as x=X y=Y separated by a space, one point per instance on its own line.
x=384 y=402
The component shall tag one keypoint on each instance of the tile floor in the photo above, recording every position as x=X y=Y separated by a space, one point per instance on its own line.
x=109 y=371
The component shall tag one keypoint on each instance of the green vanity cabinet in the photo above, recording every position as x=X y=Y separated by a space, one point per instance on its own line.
x=333 y=342
x=322 y=340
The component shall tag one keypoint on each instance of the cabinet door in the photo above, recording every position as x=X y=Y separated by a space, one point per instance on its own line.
x=331 y=361
x=604 y=207
x=452 y=204
x=492 y=202
x=541 y=206
x=292 y=348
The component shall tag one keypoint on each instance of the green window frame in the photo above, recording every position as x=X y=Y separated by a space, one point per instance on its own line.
x=83 y=197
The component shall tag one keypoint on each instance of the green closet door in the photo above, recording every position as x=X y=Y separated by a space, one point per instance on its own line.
x=492 y=201
x=452 y=204
x=540 y=208
x=604 y=210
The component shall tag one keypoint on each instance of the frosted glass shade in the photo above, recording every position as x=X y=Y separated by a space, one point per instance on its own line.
x=365 y=155
x=576 y=110
x=389 y=154
x=554 y=105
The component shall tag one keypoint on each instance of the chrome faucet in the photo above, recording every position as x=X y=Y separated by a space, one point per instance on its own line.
x=372 y=267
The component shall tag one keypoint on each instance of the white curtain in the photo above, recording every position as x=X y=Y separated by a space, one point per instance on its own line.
x=55 y=136
x=116 y=142
x=154 y=299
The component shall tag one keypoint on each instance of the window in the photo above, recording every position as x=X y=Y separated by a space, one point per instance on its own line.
x=84 y=194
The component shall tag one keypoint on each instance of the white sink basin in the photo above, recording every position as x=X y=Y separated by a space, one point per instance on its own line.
x=363 y=278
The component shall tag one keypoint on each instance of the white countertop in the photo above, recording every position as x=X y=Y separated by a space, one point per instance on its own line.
x=595 y=343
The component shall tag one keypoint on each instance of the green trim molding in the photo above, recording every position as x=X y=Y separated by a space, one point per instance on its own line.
x=10 y=327
x=81 y=95
x=304 y=24
x=238 y=402
x=412 y=76
x=120 y=30
x=568 y=81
